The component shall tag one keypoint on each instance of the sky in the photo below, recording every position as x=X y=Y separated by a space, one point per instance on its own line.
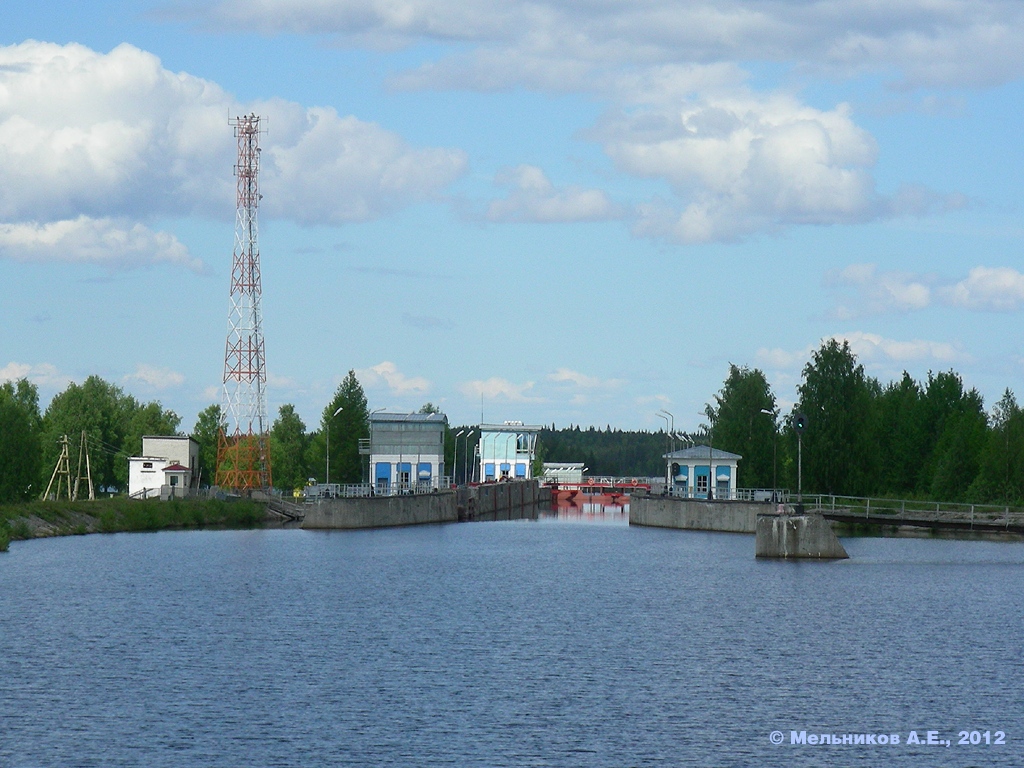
x=556 y=211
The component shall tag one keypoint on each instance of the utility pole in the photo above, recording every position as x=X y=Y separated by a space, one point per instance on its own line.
x=83 y=450
x=61 y=472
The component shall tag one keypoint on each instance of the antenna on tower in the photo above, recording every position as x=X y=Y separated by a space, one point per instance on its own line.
x=243 y=447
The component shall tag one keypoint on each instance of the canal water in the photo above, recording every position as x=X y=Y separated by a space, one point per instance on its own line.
x=572 y=640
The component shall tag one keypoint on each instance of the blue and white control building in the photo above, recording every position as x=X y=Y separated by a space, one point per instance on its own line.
x=407 y=451
x=506 y=451
x=689 y=470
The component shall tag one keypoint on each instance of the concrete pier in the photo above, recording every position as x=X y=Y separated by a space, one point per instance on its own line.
x=797 y=536
x=694 y=514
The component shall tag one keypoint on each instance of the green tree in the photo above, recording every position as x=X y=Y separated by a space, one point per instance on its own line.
x=837 y=399
x=20 y=426
x=901 y=437
x=961 y=427
x=114 y=423
x=1001 y=474
x=206 y=433
x=288 y=446
x=350 y=425
x=740 y=426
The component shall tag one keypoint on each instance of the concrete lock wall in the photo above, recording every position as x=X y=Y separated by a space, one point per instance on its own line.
x=493 y=501
x=501 y=501
x=694 y=514
x=382 y=511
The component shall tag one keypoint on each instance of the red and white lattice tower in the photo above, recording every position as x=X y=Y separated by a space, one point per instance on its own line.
x=243 y=448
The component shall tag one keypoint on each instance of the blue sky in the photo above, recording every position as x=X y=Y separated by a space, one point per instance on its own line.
x=572 y=212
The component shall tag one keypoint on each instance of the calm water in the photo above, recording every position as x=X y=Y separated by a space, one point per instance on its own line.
x=549 y=643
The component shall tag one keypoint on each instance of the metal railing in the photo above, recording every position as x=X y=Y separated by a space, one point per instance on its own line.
x=987 y=515
x=768 y=495
x=366 y=490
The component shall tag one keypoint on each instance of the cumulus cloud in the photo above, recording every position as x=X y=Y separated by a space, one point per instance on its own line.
x=986 y=289
x=745 y=162
x=324 y=168
x=115 y=244
x=582 y=380
x=387 y=374
x=533 y=197
x=881 y=291
x=115 y=136
x=41 y=374
x=995 y=289
x=496 y=388
x=155 y=377
x=538 y=42
x=870 y=349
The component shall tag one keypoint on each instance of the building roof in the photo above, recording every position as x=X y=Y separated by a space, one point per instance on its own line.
x=176 y=468
x=436 y=418
x=701 y=452
x=511 y=426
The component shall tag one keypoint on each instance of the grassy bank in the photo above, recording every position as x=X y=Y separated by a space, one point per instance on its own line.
x=48 y=518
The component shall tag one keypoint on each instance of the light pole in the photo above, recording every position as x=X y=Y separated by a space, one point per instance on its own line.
x=505 y=454
x=340 y=409
x=465 y=457
x=711 y=455
x=369 y=470
x=668 y=460
x=455 y=462
x=672 y=427
x=775 y=450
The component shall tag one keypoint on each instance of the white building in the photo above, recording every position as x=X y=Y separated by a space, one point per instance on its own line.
x=687 y=472
x=168 y=466
x=506 y=451
x=407 y=451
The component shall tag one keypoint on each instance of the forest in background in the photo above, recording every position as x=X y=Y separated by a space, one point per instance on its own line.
x=930 y=439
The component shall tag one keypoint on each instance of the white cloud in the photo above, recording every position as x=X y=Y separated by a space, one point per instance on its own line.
x=994 y=289
x=742 y=163
x=870 y=349
x=387 y=374
x=154 y=377
x=116 y=135
x=569 y=376
x=987 y=289
x=117 y=244
x=780 y=359
x=534 y=198
x=41 y=374
x=496 y=388
x=547 y=43
x=324 y=168
x=878 y=291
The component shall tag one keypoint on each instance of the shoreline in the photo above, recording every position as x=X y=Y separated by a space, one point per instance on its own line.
x=43 y=519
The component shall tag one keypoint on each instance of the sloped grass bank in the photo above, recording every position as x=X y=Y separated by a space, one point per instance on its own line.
x=48 y=518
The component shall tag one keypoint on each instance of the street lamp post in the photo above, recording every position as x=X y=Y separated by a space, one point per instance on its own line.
x=340 y=409
x=465 y=457
x=455 y=461
x=775 y=451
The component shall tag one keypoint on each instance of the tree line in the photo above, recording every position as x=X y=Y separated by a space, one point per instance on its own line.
x=930 y=439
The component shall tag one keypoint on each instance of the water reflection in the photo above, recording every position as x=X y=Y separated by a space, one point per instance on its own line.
x=587 y=507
